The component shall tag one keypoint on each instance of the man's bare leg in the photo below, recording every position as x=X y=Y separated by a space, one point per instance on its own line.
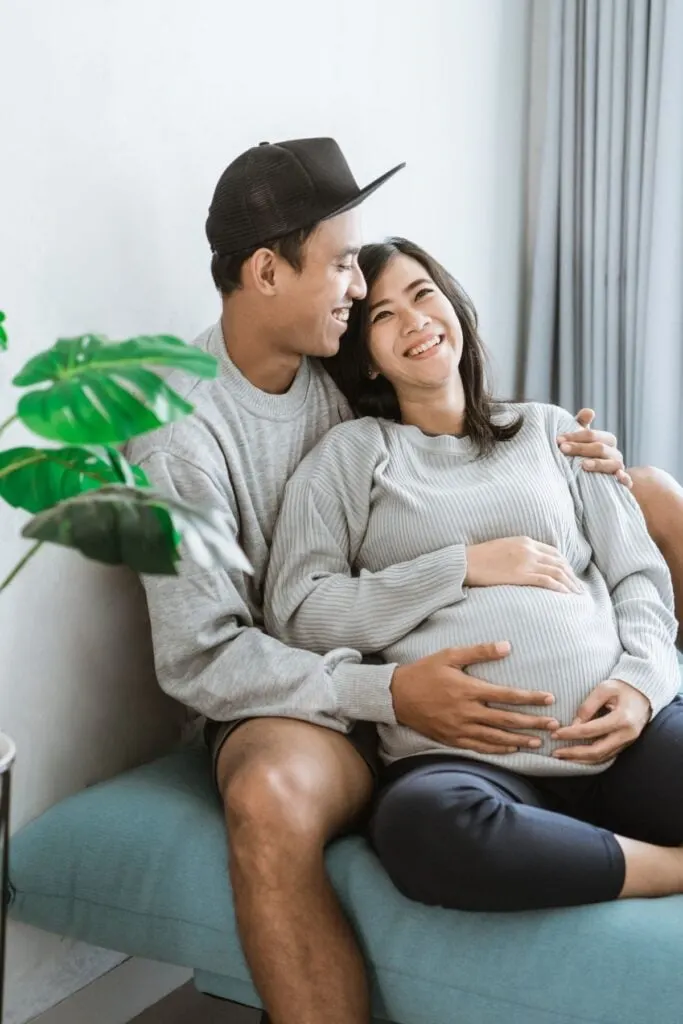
x=288 y=788
x=660 y=497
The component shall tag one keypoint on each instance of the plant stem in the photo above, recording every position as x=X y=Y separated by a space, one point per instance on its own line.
x=20 y=565
x=5 y=425
x=30 y=460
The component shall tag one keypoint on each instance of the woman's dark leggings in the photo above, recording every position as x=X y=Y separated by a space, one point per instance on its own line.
x=462 y=834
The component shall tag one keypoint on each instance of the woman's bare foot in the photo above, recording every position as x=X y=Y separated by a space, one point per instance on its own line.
x=651 y=870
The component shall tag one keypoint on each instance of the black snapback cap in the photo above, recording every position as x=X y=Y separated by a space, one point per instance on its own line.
x=276 y=188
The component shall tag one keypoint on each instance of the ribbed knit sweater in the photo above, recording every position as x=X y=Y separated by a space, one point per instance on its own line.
x=235 y=454
x=369 y=553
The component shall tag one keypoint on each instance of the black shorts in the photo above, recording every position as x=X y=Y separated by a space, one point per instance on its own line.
x=363 y=737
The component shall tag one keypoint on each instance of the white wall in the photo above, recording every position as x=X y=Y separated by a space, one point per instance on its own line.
x=116 y=121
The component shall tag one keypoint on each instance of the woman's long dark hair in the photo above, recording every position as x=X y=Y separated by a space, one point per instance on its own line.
x=350 y=368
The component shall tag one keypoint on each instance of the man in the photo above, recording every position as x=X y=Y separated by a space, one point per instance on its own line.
x=292 y=769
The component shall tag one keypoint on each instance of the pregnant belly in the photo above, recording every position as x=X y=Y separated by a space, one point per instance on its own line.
x=562 y=643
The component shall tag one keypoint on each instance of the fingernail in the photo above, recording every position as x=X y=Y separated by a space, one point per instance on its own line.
x=566 y=447
x=553 y=725
x=503 y=647
x=562 y=437
x=589 y=463
x=534 y=743
x=550 y=699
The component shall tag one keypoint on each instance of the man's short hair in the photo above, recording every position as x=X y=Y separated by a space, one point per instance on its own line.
x=226 y=271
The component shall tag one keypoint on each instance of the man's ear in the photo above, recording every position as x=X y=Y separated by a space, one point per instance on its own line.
x=262 y=269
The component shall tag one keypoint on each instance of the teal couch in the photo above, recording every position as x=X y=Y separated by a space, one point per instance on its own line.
x=138 y=864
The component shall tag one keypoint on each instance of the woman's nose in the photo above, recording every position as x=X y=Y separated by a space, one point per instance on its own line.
x=413 y=320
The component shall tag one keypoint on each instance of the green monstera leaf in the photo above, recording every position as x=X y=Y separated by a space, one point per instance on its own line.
x=102 y=392
x=122 y=525
x=3 y=333
x=37 y=478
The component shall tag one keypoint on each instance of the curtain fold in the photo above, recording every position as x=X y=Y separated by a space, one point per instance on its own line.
x=605 y=322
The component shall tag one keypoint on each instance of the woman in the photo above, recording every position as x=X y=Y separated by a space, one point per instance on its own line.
x=404 y=531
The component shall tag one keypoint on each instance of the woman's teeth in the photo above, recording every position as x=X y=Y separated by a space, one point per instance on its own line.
x=341 y=314
x=419 y=349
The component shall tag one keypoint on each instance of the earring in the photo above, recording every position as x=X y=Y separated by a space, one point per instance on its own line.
x=373 y=374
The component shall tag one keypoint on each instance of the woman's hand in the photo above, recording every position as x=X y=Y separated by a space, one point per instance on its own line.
x=597 y=448
x=521 y=562
x=625 y=713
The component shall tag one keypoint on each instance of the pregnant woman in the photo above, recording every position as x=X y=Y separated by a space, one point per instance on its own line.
x=438 y=516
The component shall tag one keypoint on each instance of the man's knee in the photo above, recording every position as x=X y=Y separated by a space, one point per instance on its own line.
x=273 y=798
x=659 y=495
x=286 y=782
x=651 y=479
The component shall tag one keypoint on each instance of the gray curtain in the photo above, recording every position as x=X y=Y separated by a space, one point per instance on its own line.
x=605 y=317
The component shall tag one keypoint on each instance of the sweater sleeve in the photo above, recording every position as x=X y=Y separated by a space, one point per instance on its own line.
x=638 y=580
x=314 y=598
x=211 y=655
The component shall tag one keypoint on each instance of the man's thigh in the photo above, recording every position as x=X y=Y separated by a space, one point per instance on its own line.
x=641 y=795
x=286 y=766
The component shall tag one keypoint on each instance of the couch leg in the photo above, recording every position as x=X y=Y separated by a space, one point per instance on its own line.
x=264 y=1019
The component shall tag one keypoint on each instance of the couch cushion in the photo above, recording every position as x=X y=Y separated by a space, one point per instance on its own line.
x=137 y=864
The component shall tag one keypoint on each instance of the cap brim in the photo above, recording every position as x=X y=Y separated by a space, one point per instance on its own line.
x=365 y=192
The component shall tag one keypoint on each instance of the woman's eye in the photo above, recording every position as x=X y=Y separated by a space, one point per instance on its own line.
x=380 y=316
x=424 y=291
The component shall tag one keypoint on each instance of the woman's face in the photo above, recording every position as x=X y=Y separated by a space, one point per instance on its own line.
x=415 y=336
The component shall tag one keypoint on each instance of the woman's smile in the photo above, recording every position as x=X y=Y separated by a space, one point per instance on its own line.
x=426 y=348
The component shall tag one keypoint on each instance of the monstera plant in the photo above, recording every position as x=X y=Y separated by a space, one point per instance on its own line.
x=87 y=396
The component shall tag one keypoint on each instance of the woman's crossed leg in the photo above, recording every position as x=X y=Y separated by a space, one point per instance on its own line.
x=469 y=836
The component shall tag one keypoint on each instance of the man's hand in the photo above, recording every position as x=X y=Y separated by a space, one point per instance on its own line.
x=436 y=698
x=622 y=714
x=597 y=448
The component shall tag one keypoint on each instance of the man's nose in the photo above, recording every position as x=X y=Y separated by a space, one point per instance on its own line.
x=358 y=288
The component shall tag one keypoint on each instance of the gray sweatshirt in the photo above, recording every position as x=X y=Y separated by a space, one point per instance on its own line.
x=369 y=551
x=235 y=453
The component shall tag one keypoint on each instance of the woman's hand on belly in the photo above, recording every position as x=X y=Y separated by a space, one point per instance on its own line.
x=519 y=561
x=610 y=719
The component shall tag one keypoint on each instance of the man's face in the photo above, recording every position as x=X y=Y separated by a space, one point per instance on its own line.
x=312 y=306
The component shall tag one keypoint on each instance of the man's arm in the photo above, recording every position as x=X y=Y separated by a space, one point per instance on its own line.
x=211 y=655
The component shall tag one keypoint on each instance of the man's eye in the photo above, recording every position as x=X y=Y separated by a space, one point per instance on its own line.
x=345 y=266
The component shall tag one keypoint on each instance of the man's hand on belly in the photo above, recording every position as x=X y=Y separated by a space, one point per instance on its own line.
x=434 y=697
x=611 y=718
